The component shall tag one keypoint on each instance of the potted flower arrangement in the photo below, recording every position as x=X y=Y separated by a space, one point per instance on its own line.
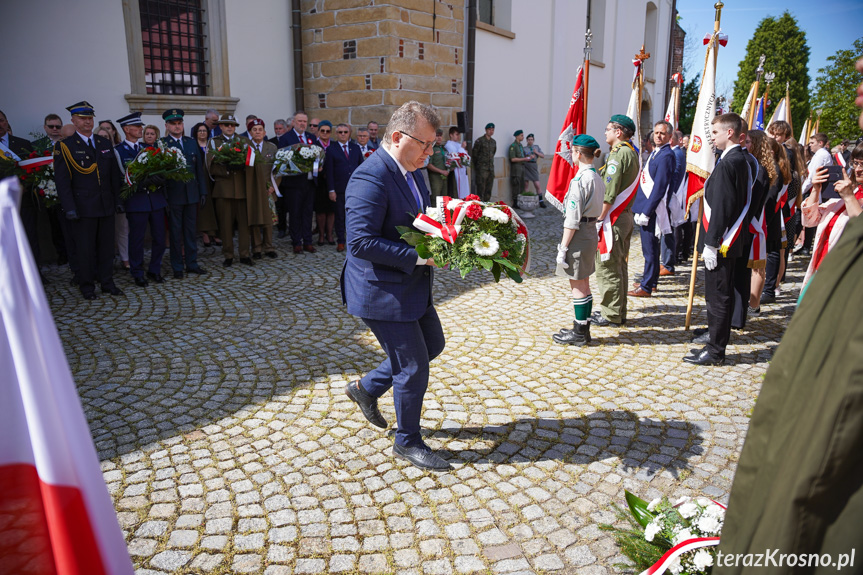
x=469 y=234
x=528 y=202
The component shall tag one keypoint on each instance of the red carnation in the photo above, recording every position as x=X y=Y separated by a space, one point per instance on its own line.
x=521 y=230
x=472 y=198
x=505 y=254
x=506 y=210
x=41 y=192
x=474 y=212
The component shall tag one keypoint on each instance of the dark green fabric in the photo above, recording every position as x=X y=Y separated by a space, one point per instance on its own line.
x=799 y=482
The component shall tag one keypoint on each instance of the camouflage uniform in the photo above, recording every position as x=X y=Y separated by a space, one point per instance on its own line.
x=437 y=182
x=482 y=162
x=516 y=170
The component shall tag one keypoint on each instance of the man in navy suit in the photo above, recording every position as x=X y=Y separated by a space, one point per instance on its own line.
x=656 y=178
x=341 y=161
x=298 y=190
x=184 y=197
x=387 y=284
x=669 y=241
x=143 y=207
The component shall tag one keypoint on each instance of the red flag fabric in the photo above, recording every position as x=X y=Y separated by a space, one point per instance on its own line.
x=563 y=166
x=54 y=498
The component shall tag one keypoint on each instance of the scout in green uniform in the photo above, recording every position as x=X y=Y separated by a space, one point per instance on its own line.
x=437 y=168
x=618 y=174
x=516 y=170
x=484 y=149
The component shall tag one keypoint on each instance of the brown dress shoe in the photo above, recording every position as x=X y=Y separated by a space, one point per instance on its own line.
x=310 y=248
x=663 y=271
x=298 y=249
x=340 y=248
x=639 y=292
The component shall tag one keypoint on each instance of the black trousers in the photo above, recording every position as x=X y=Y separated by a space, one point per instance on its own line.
x=29 y=217
x=742 y=286
x=58 y=238
x=719 y=295
x=771 y=273
x=183 y=230
x=94 y=243
x=301 y=195
x=69 y=239
x=340 y=217
x=282 y=205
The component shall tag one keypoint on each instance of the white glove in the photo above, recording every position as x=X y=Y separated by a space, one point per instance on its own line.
x=641 y=219
x=599 y=224
x=561 y=256
x=710 y=257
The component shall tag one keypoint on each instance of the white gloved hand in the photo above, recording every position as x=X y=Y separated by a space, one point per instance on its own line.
x=641 y=219
x=599 y=224
x=561 y=256
x=710 y=257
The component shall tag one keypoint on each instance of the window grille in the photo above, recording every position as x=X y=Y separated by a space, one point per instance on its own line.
x=174 y=42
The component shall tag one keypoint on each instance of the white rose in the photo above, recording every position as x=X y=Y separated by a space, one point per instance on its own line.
x=652 y=505
x=495 y=214
x=708 y=524
x=651 y=530
x=702 y=559
x=688 y=510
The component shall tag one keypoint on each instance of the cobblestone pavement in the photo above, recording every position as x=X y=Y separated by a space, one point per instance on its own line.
x=228 y=445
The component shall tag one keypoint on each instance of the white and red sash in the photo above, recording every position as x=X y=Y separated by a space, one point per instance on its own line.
x=677 y=209
x=758 y=249
x=782 y=198
x=663 y=226
x=840 y=159
x=730 y=235
x=620 y=202
x=250 y=156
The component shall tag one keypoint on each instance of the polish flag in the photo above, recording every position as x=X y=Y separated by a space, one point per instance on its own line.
x=699 y=157
x=250 y=156
x=563 y=165
x=58 y=516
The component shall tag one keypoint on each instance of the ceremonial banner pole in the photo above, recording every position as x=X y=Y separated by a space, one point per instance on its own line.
x=712 y=46
x=817 y=122
x=588 y=38
x=788 y=105
x=754 y=109
x=679 y=90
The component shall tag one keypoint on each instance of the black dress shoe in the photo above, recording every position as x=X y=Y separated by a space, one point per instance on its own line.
x=228 y=262
x=113 y=290
x=141 y=282
x=281 y=234
x=703 y=357
x=178 y=275
x=90 y=296
x=156 y=277
x=766 y=299
x=421 y=456
x=247 y=261
x=272 y=255
x=197 y=271
x=257 y=255
x=367 y=403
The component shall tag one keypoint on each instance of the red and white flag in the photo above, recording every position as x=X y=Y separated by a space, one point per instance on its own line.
x=780 y=113
x=633 y=109
x=250 y=156
x=672 y=113
x=563 y=166
x=53 y=493
x=699 y=156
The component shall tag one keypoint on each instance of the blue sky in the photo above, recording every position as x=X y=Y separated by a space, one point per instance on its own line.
x=830 y=25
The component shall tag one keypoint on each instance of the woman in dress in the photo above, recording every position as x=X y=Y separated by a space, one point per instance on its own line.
x=207 y=223
x=458 y=176
x=531 y=170
x=576 y=253
x=325 y=208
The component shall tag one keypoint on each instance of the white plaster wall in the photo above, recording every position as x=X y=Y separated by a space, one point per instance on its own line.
x=58 y=53
x=260 y=57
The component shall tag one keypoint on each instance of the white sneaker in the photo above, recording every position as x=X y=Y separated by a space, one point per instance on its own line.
x=777 y=291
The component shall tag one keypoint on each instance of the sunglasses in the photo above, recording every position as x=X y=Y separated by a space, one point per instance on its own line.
x=313 y=125
x=53 y=127
x=342 y=132
x=324 y=130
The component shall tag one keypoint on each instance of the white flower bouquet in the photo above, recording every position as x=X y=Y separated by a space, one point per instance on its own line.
x=298 y=159
x=679 y=537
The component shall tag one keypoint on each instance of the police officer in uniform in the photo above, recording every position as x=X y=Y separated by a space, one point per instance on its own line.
x=484 y=149
x=143 y=207
x=88 y=184
x=619 y=174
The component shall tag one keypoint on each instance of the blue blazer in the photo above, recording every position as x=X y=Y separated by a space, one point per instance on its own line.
x=661 y=169
x=143 y=200
x=380 y=278
x=338 y=167
x=191 y=192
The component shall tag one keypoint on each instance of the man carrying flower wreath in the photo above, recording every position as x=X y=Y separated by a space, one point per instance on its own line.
x=388 y=285
x=229 y=193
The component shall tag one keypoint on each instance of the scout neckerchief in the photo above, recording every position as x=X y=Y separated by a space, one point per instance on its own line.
x=620 y=202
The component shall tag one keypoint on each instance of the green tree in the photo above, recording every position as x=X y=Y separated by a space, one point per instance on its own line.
x=835 y=89
x=688 y=101
x=787 y=55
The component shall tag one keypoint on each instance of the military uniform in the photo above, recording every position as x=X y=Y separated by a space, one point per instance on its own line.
x=516 y=170
x=229 y=193
x=612 y=275
x=88 y=185
x=482 y=160
x=260 y=214
x=437 y=181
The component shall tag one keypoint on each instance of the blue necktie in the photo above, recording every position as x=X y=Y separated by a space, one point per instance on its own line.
x=413 y=186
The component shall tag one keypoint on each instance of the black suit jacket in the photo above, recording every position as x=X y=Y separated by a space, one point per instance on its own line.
x=725 y=191
x=92 y=195
x=339 y=167
x=20 y=146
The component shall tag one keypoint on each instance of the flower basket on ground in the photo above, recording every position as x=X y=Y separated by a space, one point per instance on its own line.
x=165 y=161
x=680 y=537
x=298 y=159
x=470 y=234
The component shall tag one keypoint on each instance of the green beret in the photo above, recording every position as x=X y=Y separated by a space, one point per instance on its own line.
x=624 y=121
x=585 y=141
x=489 y=125
x=529 y=136
x=517 y=132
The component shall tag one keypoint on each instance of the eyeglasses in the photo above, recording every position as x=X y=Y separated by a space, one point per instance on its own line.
x=313 y=125
x=425 y=145
x=857 y=164
x=53 y=127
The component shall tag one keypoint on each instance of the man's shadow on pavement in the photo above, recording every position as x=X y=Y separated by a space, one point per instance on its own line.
x=641 y=443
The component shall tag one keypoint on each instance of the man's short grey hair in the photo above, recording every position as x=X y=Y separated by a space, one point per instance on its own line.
x=280 y=123
x=343 y=125
x=362 y=130
x=405 y=119
x=669 y=129
x=211 y=112
x=298 y=112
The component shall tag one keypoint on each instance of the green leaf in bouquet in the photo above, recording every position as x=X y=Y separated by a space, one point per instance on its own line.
x=413 y=238
x=486 y=264
x=513 y=275
x=423 y=251
x=495 y=271
x=506 y=264
x=638 y=508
